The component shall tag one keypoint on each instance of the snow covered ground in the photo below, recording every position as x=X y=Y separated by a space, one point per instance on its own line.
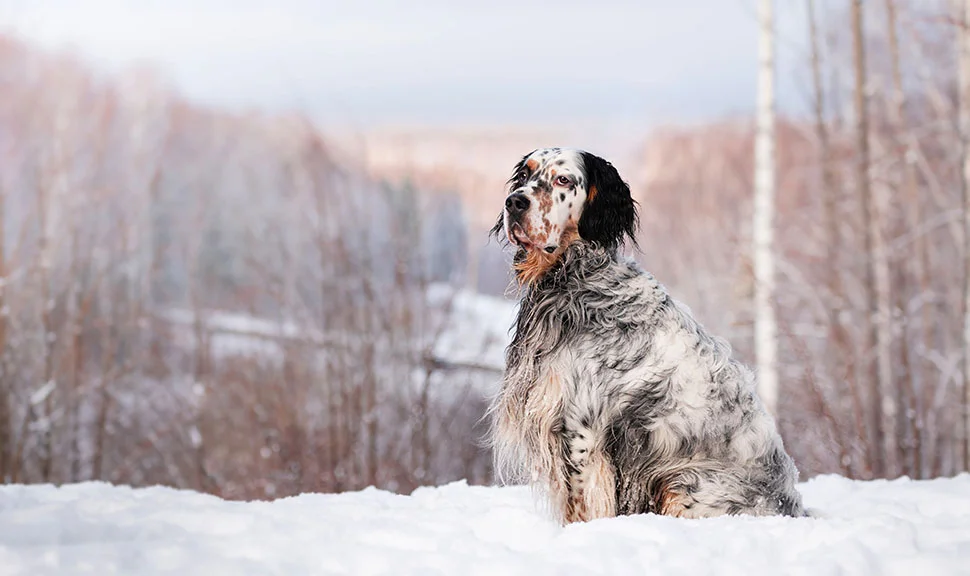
x=899 y=527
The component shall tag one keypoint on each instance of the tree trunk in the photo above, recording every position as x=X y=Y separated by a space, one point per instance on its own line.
x=964 y=112
x=107 y=343
x=881 y=406
x=917 y=261
x=47 y=332
x=766 y=339
x=843 y=368
x=6 y=383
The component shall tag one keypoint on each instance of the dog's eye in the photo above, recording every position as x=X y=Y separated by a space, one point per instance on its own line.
x=562 y=181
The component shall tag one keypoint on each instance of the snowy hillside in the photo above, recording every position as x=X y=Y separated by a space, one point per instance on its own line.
x=899 y=527
x=475 y=329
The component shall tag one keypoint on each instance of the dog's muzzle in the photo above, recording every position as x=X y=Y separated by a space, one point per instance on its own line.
x=516 y=205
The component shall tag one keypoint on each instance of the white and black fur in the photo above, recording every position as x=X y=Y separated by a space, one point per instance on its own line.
x=615 y=399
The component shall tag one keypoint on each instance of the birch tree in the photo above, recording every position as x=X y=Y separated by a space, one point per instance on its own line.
x=766 y=340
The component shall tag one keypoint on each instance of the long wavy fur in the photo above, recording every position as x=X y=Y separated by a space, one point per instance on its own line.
x=616 y=400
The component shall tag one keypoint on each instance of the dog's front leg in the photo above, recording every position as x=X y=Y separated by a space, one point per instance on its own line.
x=592 y=481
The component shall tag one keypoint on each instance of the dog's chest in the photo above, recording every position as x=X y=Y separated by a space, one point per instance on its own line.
x=654 y=371
x=594 y=351
x=587 y=386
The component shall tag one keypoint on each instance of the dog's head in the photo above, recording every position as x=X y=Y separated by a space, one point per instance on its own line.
x=559 y=196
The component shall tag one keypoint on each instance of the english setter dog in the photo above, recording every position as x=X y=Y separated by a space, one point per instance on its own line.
x=615 y=400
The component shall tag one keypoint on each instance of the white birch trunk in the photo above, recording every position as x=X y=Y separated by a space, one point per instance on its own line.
x=766 y=338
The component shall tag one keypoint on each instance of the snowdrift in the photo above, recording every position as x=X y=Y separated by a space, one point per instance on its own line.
x=884 y=527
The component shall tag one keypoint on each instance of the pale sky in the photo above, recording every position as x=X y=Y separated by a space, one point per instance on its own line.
x=370 y=62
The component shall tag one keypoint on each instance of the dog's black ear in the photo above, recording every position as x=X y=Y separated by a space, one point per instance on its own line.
x=610 y=213
x=496 y=231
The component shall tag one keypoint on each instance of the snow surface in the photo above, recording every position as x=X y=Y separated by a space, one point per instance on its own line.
x=884 y=527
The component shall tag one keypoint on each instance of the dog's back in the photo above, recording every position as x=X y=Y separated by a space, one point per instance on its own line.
x=708 y=447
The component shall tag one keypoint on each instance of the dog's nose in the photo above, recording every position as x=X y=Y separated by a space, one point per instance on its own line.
x=516 y=204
